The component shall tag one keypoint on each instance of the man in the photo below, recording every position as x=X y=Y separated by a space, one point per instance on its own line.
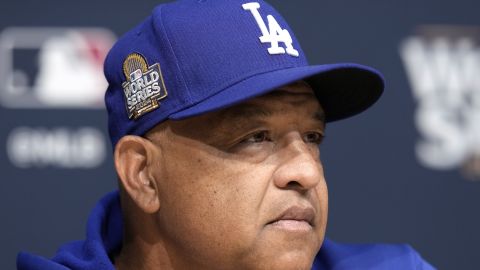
x=216 y=120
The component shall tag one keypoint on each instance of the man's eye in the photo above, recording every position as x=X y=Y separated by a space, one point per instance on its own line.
x=257 y=137
x=313 y=137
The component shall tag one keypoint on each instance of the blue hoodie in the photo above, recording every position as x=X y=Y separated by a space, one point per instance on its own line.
x=104 y=238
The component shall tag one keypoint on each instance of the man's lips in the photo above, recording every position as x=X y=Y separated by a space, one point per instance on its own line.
x=295 y=218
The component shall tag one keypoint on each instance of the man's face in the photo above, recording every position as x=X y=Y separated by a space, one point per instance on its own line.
x=244 y=187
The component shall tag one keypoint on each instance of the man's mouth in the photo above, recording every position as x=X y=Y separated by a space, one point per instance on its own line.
x=295 y=218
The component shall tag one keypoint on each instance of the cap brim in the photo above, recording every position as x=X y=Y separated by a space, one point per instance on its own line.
x=343 y=90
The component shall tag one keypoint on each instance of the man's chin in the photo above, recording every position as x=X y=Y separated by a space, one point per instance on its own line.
x=295 y=255
x=284 y=261
x=295 y=260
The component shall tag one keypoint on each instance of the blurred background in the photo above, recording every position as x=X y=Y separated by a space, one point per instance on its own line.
x=406 y=171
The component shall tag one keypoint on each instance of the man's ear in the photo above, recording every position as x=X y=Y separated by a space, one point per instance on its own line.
x=133 y=157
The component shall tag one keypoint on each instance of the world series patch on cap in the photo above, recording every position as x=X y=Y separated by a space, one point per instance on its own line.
x=144 y=86
x=212 y=54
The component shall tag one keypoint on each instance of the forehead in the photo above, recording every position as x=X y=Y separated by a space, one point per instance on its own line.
x=293 y=98
x=296 y=100
x=296 y=97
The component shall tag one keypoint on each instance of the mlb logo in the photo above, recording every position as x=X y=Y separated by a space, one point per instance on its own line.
x=137 y=74
x=53 y=67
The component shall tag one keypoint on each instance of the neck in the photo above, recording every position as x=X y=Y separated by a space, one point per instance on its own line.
x=142 y=255
x=142 y=246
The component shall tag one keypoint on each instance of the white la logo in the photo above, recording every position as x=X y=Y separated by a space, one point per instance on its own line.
x=274 y=34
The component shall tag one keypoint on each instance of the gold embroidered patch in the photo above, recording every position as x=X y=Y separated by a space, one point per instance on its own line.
x=144 y=87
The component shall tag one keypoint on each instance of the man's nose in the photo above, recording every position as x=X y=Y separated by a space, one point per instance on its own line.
x=299 y=167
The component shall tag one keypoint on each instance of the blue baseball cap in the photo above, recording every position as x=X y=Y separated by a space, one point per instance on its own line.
x=190 y=57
